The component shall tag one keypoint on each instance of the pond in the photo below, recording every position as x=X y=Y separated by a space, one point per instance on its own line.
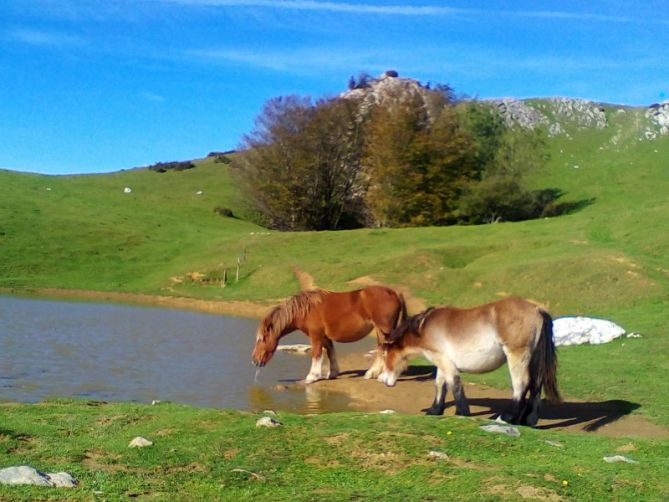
x=128 y=353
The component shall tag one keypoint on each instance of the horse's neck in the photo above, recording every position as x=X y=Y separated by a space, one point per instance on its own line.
x=287 y=330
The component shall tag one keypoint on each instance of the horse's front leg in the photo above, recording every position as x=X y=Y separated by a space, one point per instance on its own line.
x=316 y=371
x=461 y=405
x=377 y=366
x=332 y=357
x=441 y=388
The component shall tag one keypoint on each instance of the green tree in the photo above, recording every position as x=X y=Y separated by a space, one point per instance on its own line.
x=416 y=158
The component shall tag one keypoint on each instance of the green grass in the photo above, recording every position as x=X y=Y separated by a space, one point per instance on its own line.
x=349 y=456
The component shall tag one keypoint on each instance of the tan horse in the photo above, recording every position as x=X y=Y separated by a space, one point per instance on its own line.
x=479 y=340
x=327 y=317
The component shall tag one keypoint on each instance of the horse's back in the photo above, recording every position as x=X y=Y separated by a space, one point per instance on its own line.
x=476 y=339
x=348 y=316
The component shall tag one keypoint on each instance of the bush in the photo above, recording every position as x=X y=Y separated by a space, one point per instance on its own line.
x=224 y=211
x=163 y=167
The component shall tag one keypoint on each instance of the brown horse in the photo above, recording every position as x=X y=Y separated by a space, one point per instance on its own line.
x=327 y=317
x=479 y=340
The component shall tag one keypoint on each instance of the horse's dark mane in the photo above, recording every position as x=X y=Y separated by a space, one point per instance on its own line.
x=411 y=325
x=296 y=306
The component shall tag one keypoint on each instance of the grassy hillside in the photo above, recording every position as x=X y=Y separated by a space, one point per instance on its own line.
x=608 y=259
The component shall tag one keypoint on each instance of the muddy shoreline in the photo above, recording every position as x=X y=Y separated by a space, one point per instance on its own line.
x=226 y=307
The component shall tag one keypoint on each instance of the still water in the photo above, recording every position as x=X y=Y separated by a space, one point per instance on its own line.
x=127 y=353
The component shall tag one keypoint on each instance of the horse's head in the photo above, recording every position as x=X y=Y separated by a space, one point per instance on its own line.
x=266 y=343
x=394 y=363
x=399 y=345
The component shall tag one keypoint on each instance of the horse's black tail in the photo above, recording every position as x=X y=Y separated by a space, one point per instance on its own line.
x=544 y=360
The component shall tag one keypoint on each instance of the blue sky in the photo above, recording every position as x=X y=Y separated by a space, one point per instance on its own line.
x=101 y=85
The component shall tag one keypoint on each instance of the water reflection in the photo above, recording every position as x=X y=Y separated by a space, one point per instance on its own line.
x=128 y=353
x=297 y=398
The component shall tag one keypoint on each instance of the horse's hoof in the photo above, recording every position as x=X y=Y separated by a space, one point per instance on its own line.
x=507 y=418
x=311 y=379
x=433 y=411
x=369 y=374
x=332 y=376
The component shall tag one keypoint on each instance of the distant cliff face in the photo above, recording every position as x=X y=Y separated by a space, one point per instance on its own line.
x=559 y=115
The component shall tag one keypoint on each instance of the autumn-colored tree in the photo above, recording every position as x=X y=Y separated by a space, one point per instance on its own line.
x=416 y=161
x=300 y=164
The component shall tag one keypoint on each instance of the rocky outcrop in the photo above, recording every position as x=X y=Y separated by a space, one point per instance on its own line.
x=553 y=114
x=390 y=88
x=517 y=112
x=658 y=116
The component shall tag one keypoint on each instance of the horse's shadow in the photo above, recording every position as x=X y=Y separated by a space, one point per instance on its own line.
x=418 y=373
x=594 y=414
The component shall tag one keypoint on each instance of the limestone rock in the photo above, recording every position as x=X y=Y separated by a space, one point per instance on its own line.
x=509 y=430
x=140 y=442
x=26 y=475
x=267 y=422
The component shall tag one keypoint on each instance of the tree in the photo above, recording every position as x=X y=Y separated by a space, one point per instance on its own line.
x=301 y=162
x=416 y=161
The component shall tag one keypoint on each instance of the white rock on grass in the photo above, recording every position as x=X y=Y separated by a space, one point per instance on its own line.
x=619 y=458
x=437 y=455
x=62 y=480
x=26 y=475
x=509 y=430
x=140 y=442
x=267 y=422
x=579 y=330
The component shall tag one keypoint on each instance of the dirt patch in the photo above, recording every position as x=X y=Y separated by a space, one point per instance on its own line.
x=231 y=453
x=98 y=460
x=531 y=492
x=415 y=391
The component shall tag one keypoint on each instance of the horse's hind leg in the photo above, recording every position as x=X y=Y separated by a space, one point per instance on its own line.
x=530 y=416
x=519 y=362
x=332 y=357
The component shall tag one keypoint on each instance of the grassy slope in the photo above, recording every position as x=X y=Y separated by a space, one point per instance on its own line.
x=351 y=456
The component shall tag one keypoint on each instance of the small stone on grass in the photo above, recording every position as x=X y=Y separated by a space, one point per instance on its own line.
x=140 y=442
x=267 y=422
x=509 y=430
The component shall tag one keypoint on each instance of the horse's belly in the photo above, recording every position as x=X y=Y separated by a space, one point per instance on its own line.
x=481 y=358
